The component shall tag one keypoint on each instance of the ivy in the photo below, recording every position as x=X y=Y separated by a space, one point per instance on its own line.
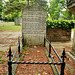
x=64 y=24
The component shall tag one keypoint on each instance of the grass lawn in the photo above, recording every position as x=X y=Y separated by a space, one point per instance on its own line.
x=73 y=29
x=7 y=27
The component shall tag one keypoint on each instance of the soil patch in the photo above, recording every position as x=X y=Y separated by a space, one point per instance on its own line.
x=34 y=55
x=7 y=38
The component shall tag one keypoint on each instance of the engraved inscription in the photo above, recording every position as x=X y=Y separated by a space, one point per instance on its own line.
x=34 y=25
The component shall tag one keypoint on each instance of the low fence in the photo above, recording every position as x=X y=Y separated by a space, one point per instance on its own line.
x=18 y=48
x=10 y=62
x=62 y=58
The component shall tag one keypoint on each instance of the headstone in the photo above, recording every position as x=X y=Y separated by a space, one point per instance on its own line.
x=34 y=25
x=18 y=21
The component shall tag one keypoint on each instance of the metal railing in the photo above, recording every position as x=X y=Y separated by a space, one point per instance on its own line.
x=62 y=63
x=62 y=58
x=13 y=56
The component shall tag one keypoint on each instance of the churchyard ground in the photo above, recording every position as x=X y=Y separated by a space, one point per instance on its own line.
x=9 y=37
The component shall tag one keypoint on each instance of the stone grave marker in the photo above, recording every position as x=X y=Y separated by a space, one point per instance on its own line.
x=33 y=25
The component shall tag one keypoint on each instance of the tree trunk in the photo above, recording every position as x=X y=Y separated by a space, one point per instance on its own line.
x=16 y=20
x=70 y=13
x=27 y=2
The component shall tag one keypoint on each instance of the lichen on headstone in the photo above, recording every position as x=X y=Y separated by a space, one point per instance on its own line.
x=34 y=25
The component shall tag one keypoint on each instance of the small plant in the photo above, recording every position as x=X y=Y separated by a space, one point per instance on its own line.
x=0 y=56
x=43 y=73
x=41 y=44
x=8 y=35
x=21 y=58
x=36 y=73
x=2 y=60
x=25 y=47
x=2 y=53
x=11 y=44
x=24 y=52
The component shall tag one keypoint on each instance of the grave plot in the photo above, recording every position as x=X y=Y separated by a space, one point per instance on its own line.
x=36 y=61
x=34 y=54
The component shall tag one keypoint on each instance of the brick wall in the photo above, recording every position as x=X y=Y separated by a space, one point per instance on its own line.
x=58 y=34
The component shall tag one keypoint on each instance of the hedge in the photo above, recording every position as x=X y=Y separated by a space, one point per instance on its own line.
x=64 y=24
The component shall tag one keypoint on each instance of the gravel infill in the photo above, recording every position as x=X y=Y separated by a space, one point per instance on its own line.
x=35 y=54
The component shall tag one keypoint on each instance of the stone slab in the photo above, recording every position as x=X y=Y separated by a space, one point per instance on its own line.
x=71 y=56
x=34 y=25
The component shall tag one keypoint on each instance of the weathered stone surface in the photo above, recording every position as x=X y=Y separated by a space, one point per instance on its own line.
x=18 y=21
x=33 y=39
x=73 y=45
x=34 y=25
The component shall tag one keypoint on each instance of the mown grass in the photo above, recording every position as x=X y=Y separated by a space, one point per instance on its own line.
x=10 y=27
x=1 y=54
x=73 y=29
x=2 y=60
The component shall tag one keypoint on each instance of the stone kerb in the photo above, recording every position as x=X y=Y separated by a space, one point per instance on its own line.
x=73 y=45
x=34 y=25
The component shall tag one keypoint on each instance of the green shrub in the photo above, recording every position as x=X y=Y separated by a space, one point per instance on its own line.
x=60 y=24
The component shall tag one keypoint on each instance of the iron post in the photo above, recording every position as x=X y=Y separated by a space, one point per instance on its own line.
x=50 y=47
x=63 y=62
x=10 y=62
x=23 y=41
x=44 y=42
x=19 y=46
